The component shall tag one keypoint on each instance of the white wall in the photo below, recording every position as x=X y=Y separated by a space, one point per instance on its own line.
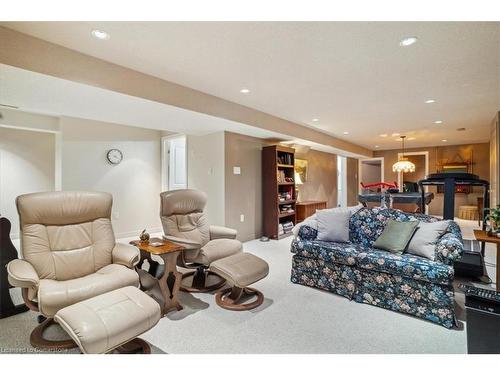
x=26 y=166
x=206 y=172
x=135 y=182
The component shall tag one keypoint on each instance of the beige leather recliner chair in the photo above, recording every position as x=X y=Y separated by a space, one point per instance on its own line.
x=69 y=254
x=184 y=222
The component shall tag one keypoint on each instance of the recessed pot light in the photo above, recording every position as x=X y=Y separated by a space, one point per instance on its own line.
x=345 y=133
x=395 y=134
x=430 y=101
x=408 y=41
x=438 y=122
x=315 y=120
x=444 y=140
x=377 y=146
x=99 y=34
x=244 y=91
x=383 y=135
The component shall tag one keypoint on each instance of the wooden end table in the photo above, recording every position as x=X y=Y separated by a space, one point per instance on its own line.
x=168 y=281
x=482 y=236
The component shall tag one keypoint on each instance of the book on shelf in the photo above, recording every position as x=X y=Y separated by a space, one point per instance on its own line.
x=285 y=159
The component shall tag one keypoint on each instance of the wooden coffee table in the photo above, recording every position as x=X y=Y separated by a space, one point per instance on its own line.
x=168 y=281
x=482 y=236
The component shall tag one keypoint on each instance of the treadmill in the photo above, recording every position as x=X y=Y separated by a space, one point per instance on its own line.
x=472 y=262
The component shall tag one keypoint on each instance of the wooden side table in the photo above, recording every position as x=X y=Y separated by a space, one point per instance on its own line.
x=482 y=236
x=168 y=281
x=307 y=208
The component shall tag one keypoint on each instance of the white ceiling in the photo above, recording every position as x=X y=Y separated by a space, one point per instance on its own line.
x=38 y=93
x=353 y=76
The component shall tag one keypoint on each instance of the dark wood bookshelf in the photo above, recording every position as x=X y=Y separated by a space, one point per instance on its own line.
x=277 y=162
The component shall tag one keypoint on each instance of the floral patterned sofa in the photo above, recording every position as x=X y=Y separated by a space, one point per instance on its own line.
x=405 y=283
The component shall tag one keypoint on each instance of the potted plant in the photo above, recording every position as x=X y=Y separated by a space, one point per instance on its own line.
x=494 y=217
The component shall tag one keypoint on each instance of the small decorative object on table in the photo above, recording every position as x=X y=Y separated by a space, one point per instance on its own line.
x=144 y=236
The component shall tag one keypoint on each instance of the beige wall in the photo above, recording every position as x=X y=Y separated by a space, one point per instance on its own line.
x=27 y=160
x=352 y=181
x=371 y=173
x=205 y=167
x=244 y=191
x=135 y=183
x=321 y=182
x=480 y=158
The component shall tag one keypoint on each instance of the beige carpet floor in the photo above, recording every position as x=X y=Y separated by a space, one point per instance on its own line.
x=293 y=319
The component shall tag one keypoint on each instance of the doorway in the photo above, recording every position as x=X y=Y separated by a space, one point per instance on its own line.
x=341 y=181
x=174 y=163
x=371 y=171
x=408 y=182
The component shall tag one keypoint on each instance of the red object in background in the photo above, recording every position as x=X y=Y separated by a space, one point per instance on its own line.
x=387 y=185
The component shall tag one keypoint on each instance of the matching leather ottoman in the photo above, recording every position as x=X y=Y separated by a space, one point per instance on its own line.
x=240 y=271
x=111 y=321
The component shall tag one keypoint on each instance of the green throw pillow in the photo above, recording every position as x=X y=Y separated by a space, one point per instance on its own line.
x=396 y=236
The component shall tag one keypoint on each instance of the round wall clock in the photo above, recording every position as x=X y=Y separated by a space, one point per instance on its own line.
x=114 y=156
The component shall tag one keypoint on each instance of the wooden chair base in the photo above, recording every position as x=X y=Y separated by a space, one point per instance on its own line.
x=135 y=346
x=38 y=341
x=230 y=298
x=198 y=285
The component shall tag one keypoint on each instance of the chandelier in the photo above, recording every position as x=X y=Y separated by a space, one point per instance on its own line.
x=403 y=164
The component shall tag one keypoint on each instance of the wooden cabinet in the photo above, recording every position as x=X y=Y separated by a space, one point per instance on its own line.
x=308 y=208
x=278 y=191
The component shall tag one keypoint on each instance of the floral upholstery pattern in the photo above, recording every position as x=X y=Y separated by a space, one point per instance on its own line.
x=337 y=278
x=407 y=265
x=334 y=252
x=367 y=224
x=307 y=233
x=426 y=300
x=404 y=283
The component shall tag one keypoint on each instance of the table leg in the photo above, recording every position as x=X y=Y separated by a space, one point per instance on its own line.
x=170 y=283
x=498 y=268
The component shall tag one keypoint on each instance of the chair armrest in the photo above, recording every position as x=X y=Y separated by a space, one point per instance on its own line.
x=187 y=243
x=222 y=232
x=21 y=274
x=126 y=255
x=450 y=246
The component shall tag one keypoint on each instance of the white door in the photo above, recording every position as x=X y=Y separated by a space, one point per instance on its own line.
x=176 y=155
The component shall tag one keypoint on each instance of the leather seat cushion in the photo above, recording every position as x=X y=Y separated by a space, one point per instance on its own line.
x=102 y=323
x=217 y=249
x=54 y=295
x=241 y=270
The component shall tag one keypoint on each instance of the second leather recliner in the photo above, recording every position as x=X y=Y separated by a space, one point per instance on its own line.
x=185 y=222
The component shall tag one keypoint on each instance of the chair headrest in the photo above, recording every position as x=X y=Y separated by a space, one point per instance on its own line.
x=182 y=202
x=63 y=207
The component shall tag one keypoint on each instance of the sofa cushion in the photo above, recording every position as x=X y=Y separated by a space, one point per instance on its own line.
x=333 y=226
x=396 y=236
x=423 y=243
x=406 y=265
x=333 y=252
